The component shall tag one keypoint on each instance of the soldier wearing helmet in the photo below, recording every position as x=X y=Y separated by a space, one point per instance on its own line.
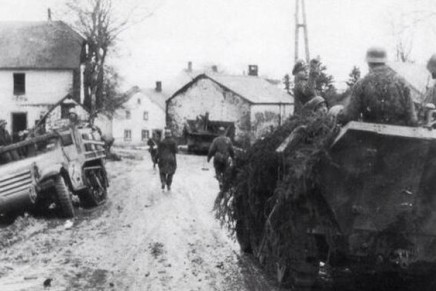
x=317 y=104
x=382 y=96
x=167 y=161
x=221 y=150
x=304 y=82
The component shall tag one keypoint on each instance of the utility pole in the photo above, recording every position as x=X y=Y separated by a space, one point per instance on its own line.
x=302 y=25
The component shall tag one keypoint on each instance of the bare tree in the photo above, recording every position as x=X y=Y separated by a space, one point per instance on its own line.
x=402 y=33
x=100 y=22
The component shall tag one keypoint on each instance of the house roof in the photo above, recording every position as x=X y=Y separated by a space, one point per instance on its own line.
x=173 y=84
x=39 y=45
x=417 y=76
x=158 y=98
x=254 y=89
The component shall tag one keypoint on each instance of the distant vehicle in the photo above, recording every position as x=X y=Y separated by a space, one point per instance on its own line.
x=200 y=132
x=52 y=167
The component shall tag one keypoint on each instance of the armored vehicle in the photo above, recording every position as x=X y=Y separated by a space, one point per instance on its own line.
x=371 y=208
x=52 y=167
x=200 y=132
x=379 y=188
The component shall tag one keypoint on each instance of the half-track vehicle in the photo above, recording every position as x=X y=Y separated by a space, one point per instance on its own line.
x=380 y=191
x=50 y=168
x=371 y=210
x=200 y=132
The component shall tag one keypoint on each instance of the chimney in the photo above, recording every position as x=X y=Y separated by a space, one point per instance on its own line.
x=252 y=70
x=158 y=86
x=48 y=14
x=189 y=66
x=215 y=68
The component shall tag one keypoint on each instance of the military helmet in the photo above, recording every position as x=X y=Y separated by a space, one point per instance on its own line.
x=376 y=55
x=431 y=64
x=313 y=103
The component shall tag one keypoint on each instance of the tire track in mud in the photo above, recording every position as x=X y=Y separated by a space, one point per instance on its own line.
x=141 y=239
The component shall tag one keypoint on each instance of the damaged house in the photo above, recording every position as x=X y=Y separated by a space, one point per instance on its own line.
x=250 y=102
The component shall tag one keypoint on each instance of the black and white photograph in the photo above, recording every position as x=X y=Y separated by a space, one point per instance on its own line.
x=217 y=145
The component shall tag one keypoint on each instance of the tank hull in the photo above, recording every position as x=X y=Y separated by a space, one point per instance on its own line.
x=380 y=186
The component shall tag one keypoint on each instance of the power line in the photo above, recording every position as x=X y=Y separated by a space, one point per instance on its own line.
x=302 y=25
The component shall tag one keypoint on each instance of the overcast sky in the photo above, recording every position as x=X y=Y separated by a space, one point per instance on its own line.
x=235 y=33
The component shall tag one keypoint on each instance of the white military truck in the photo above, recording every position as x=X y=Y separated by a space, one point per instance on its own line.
x=50 y=168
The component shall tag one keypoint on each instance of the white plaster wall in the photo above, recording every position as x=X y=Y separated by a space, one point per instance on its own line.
x=156 y=120
x=270 y=116
x=42 y=87
x=105 y=124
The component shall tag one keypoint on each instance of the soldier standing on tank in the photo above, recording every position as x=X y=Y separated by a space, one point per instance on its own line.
x=382 y=96
x=221 y=150
x=167 y=162
x=304 y=82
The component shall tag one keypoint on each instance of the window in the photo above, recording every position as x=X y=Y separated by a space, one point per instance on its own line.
x=128 y=114
x=127 y=135
x=67 y=139
x=145 y=134
x=65 y=110
x=145 y=115
x=19 y=83
x=139 y=101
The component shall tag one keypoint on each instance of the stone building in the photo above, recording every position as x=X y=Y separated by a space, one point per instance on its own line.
x=252 y=103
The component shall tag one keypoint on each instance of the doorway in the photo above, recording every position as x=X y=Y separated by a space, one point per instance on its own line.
x=19 y=123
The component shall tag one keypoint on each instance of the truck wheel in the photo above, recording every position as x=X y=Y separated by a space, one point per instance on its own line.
x=63 y=197
x=96 y=193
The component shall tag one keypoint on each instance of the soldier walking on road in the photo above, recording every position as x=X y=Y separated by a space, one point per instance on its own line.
x=167 y=162
x=222 y=150
x=382 y=96
x=152 y=148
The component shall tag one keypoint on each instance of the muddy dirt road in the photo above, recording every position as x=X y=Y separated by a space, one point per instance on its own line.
x=141 y=239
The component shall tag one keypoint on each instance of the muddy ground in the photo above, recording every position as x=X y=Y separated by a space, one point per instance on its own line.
x=143 y=238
